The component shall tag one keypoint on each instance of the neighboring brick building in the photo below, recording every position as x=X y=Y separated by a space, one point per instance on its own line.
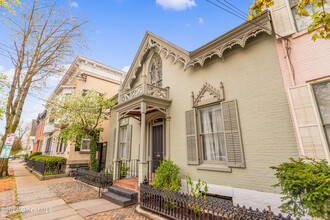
x=39 y=136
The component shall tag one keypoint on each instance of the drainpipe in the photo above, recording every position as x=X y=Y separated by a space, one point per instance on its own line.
x=287 y=49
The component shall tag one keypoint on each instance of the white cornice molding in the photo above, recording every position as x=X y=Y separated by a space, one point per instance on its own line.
x=217 y=47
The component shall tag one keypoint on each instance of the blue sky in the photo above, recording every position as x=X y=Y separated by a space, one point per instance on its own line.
x=117 y=27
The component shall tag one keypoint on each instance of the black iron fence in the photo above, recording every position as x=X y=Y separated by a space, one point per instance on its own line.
x=100 y=180
x=39 y=166
x=29 y=163
x=176 y=205
x=127 y=168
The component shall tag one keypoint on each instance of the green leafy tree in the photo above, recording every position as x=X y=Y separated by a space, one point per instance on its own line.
x=320 y=26
x=43 y=35
x=306 y=185
x=80 y=115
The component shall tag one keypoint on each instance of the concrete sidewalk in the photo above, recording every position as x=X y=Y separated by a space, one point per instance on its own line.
x=38 y=201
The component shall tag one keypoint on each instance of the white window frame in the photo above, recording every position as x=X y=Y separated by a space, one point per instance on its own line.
x=81 y=146
x=200 y=134
x=121 y=142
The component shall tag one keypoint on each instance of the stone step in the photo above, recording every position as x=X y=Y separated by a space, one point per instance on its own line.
x=117 y=199
x=123 y=192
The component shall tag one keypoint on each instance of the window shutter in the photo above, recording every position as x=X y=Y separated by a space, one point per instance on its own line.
x=308 y=127
x=233 y=141
x=192 y=147
x=114 y=143
x=129 y=141
x=282 y=18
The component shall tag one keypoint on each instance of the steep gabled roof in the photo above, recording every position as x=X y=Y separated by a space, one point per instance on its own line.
x=237 y=36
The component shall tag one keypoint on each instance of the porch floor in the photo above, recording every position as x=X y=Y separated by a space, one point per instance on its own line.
x=128 y=183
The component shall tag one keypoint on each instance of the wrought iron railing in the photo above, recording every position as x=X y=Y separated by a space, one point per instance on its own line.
x=177 y=205
x=127 y=168
x=39 y=166
x=29 y=163
x=101 y=180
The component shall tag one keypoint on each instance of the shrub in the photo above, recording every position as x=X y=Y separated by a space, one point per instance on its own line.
x=26 y=156
x=168 y=176
x=306 y=185
x=52 y=164
x=34 y=154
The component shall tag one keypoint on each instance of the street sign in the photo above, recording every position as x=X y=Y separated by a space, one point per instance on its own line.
x=10 y=139
x=5 y=151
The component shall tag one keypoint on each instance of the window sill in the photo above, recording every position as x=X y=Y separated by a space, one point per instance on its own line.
x=84 y=151
x=213 y=167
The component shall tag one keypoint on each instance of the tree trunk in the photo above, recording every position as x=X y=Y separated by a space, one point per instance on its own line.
x=4 y=170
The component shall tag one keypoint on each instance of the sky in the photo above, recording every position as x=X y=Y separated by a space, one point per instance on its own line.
x=117 y=27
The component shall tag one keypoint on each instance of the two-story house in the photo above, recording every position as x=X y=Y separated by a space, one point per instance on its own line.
x=219 y=112
x=83 y=74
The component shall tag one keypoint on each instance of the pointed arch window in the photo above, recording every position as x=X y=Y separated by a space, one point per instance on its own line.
x=156 y=71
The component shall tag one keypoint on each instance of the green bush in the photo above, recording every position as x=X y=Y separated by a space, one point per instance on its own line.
x=168 y=176
x=34 y=154
x=306 y=185
x=26 y=156
x=52 y=164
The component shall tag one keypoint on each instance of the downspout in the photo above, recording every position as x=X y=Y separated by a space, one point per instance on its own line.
x=287 y=49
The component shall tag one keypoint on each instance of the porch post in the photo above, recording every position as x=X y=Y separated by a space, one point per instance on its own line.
x=116 y=149
x=143 y=165
x=167 y=135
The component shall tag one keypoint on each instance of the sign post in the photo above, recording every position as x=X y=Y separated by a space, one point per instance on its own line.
x=7 y=148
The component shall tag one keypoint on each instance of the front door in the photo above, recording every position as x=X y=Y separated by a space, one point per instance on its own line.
x=157 y=145
x=102 y=151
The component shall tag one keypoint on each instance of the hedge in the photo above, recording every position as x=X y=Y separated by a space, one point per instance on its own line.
x=34 y=154
x=51 y=163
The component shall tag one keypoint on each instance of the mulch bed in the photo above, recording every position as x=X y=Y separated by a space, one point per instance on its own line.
x=74 y=191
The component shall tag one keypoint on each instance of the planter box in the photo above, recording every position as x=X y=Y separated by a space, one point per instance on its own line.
x=48 y=177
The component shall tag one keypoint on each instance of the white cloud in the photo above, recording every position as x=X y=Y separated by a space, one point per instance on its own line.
x=74 y=4
x=200 y=20
x=176 y=4
x=2 y=68
x=125 y=68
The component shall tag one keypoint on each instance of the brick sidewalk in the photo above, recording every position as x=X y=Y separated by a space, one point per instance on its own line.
x=118 y=214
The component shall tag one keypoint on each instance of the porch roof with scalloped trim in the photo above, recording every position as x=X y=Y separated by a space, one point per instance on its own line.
x=217 y=47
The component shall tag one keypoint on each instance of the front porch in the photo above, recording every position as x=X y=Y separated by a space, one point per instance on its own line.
x=148 y=108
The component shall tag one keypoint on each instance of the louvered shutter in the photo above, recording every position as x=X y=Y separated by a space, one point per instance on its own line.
x=114 y=143
x=310 y=135
x=192 y=147
x=282 y=18
x=129 y=141
x=233 y=141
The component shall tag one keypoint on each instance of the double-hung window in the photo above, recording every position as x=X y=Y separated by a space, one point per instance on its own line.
x=302 y=22
x=124 y=143
x=322 y=94
x=212 y=134
x=85 y=144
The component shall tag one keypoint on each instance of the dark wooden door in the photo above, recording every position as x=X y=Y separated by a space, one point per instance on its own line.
x=102 y=149
x=157 y=144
